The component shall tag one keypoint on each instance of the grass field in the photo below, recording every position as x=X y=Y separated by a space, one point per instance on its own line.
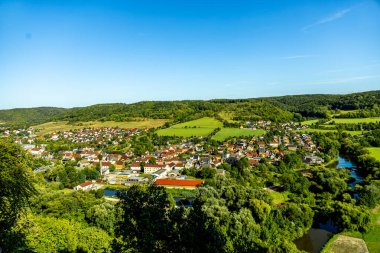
x=52 y=127
x=375 y=152
x=309 y=122
x=185 y=132
x=236 y=132
x=200 y=127
x=205 y=122
x=356 y=121
x=278 y=197
x=372 y=238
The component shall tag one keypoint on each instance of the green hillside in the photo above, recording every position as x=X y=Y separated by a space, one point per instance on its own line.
x=277 y=109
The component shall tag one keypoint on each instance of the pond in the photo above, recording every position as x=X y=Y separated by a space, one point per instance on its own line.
x=110 y=193
x=316 y=238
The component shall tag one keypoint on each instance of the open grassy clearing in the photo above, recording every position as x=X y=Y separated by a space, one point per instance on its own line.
x=52 y=127
x=343 y=112
x=205 y=122
x=309 y=122
x=225 y=133
x=375 y=152
x=372 y=238
x=185 y=132
x=356 y=120
x=227 y=116
x=342 y=244
x=198 y=127
x=279 y=197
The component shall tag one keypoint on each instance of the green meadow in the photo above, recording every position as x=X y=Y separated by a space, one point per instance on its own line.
x=375 y=152
x=200 y=127
x=185 y=132
x=225 y=133
x=205 y=122
x=309 y=122
x=355 y=120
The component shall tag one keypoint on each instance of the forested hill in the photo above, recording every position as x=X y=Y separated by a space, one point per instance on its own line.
x=317 y=105
x=29 y=116
x=278 y=109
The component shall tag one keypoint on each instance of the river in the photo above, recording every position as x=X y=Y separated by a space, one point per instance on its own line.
x=316 y=238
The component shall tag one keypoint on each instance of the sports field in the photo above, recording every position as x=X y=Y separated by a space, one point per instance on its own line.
x=236 y=132
x=52 y=127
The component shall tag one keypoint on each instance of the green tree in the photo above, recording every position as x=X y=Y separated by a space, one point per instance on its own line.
x=16 y=189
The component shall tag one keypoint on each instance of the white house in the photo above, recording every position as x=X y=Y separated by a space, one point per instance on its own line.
x=84 y=187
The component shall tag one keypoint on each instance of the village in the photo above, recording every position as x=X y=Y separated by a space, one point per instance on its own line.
x=165 y=165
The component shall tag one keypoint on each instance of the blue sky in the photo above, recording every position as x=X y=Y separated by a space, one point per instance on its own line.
x=70 y=53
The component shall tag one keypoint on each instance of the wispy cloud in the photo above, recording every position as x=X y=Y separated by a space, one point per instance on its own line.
x=297 y=56
x=344 y=80
x=337 y=15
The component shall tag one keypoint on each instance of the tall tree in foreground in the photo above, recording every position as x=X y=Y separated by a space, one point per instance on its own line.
x=144 y=225
x=15 y=189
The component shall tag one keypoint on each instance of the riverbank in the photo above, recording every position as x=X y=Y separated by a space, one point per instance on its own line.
x=371 y=238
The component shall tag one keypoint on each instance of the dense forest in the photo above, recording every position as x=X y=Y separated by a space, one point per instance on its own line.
x=278 y=109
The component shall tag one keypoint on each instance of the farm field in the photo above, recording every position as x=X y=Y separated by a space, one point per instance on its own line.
x=199 y=127
x=52 y=127
x=309 y=122
x=375 y=152
x=225 y=133
x=185 y=132
x=356 y=120
x=372 y=236
x=205 y=122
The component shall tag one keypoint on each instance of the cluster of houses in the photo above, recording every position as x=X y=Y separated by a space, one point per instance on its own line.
x=165 y=163
x=101 y=136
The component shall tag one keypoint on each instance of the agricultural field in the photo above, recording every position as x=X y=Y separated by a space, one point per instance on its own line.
x=205 y=122
x=372 y=237
x=309 y=122
x=185 y=132
x=355 y=120
x=225 y=133
x=52 y=127
x=199 y=127
x=375 y=152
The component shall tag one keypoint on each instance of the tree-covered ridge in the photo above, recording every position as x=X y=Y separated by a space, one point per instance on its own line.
x=317 y=105
x=278 y=109
x=28 y=116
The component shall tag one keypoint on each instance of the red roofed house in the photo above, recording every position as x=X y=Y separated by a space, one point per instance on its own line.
x=181 y=183
x=85 y=186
